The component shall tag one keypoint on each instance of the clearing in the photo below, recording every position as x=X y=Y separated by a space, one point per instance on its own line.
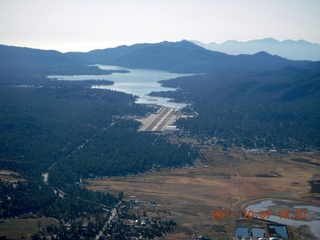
x=226 y=181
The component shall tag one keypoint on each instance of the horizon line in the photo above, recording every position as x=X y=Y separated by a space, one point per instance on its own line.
x=131 y=44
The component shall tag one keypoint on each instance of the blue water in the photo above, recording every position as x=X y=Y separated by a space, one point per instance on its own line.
x=312 y=219
x=139 y=82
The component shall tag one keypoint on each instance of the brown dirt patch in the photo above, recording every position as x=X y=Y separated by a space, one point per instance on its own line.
x=6 y=175
x=192 y=194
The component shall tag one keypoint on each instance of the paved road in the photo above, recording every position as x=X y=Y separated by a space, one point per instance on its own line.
x=113 y=214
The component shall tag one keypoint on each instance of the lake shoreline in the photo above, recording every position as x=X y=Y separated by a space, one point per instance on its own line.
x=138 y=82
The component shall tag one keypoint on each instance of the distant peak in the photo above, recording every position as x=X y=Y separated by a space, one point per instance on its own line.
x=289 y=49
x=262 y=54
x=180 y=44
x=301 y=41
x=230 y=41
x=186 y=42
x=174 y=43
x=269 y=40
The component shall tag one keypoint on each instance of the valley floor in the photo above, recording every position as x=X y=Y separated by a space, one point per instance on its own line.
x=194 y=192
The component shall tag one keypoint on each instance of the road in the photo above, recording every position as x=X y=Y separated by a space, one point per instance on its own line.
x=113 y=214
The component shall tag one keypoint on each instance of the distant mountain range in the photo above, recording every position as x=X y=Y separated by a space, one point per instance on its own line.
x=294 y=50
x=181 y=57
x=187 y=57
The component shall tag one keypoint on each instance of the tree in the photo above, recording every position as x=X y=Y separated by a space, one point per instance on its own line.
x=120 y=195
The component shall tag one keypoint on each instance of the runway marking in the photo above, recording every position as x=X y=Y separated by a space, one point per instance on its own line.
x=161 y=120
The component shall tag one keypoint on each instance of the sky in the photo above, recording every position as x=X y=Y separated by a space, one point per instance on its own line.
x=83 y=25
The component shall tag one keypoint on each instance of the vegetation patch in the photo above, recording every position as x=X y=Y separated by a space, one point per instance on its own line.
x=303 y=160
x=315 y=186
x=15 y=228
x=264 y=175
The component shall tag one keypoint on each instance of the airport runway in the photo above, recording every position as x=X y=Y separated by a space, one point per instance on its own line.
x=159 y=121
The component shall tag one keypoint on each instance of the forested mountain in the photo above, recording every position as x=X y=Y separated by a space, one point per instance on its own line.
x=109 y=54
x=274 y=109
x=181 y=56
x=294 y=50
x=186 y=57
x=25 y=61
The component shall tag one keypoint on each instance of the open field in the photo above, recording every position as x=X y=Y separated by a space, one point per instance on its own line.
x=15 y=228
x=226 y=181
x=6 y=175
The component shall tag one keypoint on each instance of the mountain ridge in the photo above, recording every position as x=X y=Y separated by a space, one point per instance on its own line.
x=181 y=57
x=24 y=60
x=290 y=49
x=185 y=56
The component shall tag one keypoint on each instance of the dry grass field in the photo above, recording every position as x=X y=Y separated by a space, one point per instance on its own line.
x=7 y=176
x=15 y=228
x=225 y=181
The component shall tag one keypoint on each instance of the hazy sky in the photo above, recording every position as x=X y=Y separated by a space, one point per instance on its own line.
x=82 y=25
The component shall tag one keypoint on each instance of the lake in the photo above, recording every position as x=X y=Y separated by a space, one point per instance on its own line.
x=139 y=82
x=312 y=218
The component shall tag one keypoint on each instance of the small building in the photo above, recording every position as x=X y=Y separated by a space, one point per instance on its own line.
x=171 y=128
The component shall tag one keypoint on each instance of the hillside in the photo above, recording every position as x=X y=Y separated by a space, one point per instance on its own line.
x=108 y=54
x=262 y=109
x=182 y=57
x=21 y=60
x=185 y=57
x=294 y=50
